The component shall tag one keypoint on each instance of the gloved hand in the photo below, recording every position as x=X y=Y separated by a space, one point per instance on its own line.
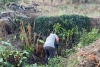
x=56 y=46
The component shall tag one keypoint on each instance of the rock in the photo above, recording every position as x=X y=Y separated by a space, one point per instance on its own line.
x=10 y=27
x=31 y=7
x=3 y=31
x=8 y=14
x=12 y=6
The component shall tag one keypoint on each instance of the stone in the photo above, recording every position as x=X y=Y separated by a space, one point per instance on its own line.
x=3 y=31
x=8 y=14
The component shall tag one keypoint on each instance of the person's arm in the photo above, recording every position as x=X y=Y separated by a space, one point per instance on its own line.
x=57 y=44
x=57 y=40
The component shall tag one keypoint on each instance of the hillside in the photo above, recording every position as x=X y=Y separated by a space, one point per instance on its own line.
x=59 y=7
x=90 y=54
x=24 y=26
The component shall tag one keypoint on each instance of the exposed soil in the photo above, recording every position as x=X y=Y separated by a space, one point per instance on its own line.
x=90 y=54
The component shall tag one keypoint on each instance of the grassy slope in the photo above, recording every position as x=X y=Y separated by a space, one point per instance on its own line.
x=86 y=10
x=58 y=8
x=54 y=9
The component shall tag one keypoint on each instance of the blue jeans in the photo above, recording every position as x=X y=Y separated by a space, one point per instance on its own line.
x=49 y=53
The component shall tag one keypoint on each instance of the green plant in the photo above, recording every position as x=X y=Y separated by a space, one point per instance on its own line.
x=12 y=57
x=54 y=62
x=4 y=53
x=44 y=24
x=62 y=32
x=64 y=35
x=23 y=56
x=88 y=37
x=7 y=1
x=69 y=52
x=71 y=58
x=58 y=29
x=72 y=63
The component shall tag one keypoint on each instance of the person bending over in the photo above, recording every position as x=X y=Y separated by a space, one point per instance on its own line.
x=49 y=46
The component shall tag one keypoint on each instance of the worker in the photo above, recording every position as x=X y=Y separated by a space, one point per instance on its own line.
x=49 y=46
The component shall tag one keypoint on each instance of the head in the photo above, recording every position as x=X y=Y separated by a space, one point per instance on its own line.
x=50 y=32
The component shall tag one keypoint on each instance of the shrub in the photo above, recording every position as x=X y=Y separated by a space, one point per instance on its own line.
x=45 y=24
x=88 y=37
x=67 y=27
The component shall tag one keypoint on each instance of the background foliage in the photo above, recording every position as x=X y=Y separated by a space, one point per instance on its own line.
x=67 y=27
x=45 y=24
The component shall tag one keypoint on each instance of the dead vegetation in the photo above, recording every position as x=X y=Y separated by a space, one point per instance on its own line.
x=90 y=55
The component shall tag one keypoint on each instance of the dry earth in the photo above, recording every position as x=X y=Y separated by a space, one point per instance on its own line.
x=90 y=55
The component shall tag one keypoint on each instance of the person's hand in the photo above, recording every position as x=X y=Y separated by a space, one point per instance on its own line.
x=56 y=46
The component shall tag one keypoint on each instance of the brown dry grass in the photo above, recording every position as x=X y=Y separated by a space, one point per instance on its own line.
x=60 y=7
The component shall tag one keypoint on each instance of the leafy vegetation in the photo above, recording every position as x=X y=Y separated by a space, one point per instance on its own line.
x=12 y=57
x=73 y=30
x=70 y=29
x=88 y=37
x=45 y=24
x=65 y=28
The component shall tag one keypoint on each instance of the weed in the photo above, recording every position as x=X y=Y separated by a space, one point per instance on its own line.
x=88 y=37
